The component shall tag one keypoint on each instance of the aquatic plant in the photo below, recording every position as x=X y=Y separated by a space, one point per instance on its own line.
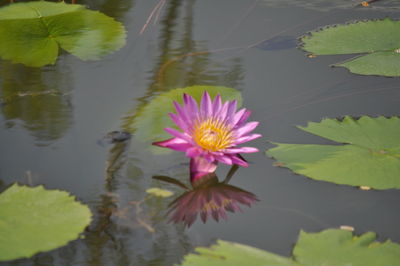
x=36 y=219
x=329 y=247
x=370 y=156
x=376 y=43
x=33 y=33
x=211 y=133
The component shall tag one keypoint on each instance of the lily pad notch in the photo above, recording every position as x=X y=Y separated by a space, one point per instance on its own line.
x=332 y=247
x=375 y=42
x=32 y=33
x=370 y=156
x=34 y=219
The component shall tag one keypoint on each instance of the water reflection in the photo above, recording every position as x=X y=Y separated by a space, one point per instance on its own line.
x=208 y=198
x=129 y=226
x=113 y=8
x=184 y=61
x=39 y=98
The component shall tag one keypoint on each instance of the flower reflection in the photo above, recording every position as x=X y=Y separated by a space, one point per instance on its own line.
x=208 y=198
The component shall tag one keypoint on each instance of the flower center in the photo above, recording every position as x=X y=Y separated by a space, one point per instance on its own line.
x=212 y=135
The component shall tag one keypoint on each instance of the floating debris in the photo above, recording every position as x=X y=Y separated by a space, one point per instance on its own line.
x=347 y=228
x=114 y=137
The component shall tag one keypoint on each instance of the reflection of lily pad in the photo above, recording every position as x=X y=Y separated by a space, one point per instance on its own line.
x=35 y=219
x=230 y=253
x=331 y=247
x=377 y=40
x=278 y=43
x=150 y=121
x=31 y=33
x=370 y=158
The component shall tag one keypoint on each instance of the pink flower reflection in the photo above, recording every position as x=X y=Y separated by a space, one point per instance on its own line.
x=208 y=198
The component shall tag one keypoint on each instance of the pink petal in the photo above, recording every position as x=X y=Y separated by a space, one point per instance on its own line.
x=178 y=134
x=217 y=104
x=248 y=127
x=191 y=105
x=241 y=150
x=244 y=117
x=224 y=159
x=217 y=153
x=238 y=116
x=179 y=122
x=177 y=144
x=209 y=157
x=231 y=110
x=193 y=152
x=206 y=105
x=247 y=138
x=181 y=112
x=199 y=167
x=238 y=161
x=223 y=112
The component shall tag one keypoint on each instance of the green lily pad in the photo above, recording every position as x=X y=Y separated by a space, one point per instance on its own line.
x=34 y=219
x=31 y=33
x=378 y=42
x=159 y=192
x=232 y=254
x=370 y=158
x=150 y=121
x=336 y=247
x=332 y=247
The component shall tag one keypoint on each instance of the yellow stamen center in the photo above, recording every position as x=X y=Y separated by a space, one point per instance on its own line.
x=212 y=135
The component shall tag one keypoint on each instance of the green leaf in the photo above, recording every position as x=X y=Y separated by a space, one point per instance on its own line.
x=370 y=158
x=159 y=192
x=150 y=121
x=230 y=253
x=35 y=219
x=370 y=63
x=339 y=247
x=31 y=33
x=378 y=39
x=332 y=247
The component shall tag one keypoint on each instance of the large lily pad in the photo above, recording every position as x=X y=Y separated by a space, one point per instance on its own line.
x=35 y=219
x=31 y=33
x=331 y=247
x=150 y=121
x=336 y=247
x=378 y=42
x=370 y=158
x=232 y=254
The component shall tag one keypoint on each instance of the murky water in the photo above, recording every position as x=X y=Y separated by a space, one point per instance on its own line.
x=52 y=119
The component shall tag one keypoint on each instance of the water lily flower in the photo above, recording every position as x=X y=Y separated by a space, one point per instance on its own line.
x=210 y=133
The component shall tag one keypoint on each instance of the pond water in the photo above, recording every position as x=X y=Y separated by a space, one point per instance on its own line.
x=53 y=120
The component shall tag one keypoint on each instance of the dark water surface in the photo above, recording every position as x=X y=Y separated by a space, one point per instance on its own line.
x=52 y=138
